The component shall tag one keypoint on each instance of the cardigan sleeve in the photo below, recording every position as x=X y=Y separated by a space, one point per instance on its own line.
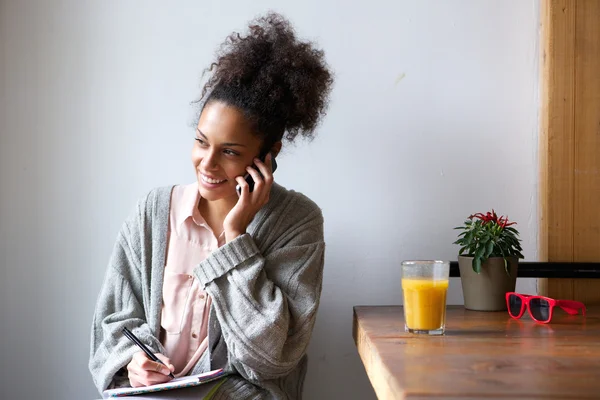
x=266 y=304
x=120 y=304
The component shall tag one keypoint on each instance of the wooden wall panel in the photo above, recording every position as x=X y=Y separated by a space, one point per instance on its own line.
x=586 y=220
x=570 y=142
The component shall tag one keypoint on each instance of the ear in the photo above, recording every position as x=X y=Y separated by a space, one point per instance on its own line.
x=276 y=148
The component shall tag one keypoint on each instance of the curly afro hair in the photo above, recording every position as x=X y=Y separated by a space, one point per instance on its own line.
x=281 y=84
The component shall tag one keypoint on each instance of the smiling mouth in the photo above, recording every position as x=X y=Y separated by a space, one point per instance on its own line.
x=211 y=180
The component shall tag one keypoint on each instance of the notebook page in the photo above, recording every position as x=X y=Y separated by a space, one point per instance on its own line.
x=182 y=382
x=191 y=393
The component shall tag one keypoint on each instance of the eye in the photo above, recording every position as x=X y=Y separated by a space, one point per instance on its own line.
x=230 y=152
x=202 y=142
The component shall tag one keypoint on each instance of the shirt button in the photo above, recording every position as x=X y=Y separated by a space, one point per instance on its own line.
x=194 y=335
x=201 y=296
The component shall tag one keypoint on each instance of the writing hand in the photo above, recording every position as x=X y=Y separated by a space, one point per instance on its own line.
x=145 y=372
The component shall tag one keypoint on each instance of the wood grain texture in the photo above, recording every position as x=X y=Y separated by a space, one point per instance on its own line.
x=482 y=355
x=545 y=93
x=558 y=127
x=570 y=143
x=586 y=222
x=557 y=140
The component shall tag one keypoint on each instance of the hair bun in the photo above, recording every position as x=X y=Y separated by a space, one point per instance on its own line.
x=281 y=83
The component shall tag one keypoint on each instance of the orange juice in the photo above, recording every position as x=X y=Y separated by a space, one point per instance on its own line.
x=424 y=303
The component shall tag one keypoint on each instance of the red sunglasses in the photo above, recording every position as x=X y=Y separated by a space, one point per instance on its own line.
x=540 y=308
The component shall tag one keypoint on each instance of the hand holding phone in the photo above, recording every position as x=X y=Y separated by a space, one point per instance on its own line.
x=249 y=178
x=248 y=204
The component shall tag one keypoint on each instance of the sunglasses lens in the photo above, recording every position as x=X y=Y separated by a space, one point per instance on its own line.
x=514 y=305
x=540 y=309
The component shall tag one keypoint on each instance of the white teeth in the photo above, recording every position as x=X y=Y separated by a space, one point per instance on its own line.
x=209 y=180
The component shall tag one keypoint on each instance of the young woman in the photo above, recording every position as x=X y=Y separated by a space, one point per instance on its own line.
x=209 y=277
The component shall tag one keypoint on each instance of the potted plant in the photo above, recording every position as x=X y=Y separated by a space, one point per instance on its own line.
x=488 y=260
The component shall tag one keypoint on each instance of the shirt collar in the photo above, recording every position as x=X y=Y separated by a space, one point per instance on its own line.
x=189 y=205
x=189 y=208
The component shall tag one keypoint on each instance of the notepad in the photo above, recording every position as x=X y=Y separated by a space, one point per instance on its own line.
x=177 y=383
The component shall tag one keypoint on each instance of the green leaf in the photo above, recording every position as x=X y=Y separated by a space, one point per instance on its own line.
x=505 y=263
x=469 y=237
x=479 y=252
x=489 y=249
x=477 y=265
x=518 y=254
x=518 y=247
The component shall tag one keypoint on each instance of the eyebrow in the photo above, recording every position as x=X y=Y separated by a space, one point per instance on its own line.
x=224 y=144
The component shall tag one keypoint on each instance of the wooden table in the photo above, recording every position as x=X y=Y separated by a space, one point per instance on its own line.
x=482 y=355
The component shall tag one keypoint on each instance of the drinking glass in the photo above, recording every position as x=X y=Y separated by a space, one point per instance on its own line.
x=425 y=284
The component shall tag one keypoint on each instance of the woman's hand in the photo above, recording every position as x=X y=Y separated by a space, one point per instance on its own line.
x=249 y=203
x=145 y=372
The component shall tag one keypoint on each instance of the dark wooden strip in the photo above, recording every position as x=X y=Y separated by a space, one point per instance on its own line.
x=530 y=269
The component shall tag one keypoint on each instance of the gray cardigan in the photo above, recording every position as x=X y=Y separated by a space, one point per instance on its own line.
x=265 y=287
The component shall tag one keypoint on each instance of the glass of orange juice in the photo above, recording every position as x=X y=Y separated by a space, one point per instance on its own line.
x=424 y=284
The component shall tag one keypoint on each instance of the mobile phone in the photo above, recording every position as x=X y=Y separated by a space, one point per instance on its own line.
x=248 y=177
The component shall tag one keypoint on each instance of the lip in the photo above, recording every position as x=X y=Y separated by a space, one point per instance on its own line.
x=210 y=186
x=211 y=177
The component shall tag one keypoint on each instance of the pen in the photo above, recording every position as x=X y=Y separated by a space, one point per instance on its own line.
x=141 y=345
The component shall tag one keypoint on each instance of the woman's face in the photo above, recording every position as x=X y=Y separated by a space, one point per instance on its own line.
x=225 y=145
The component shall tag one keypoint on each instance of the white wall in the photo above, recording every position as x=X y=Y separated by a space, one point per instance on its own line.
x=95 y=112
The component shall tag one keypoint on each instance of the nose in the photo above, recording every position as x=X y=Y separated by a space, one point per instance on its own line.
x=210 y=160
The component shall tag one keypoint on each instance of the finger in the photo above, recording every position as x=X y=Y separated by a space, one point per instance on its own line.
x=258 y=180
x=166 y=361
x=153 y=366
x=152 y=372
x=158 y=378
x=134 y=367
x=140 y=377
x=135 y=379
x=146 y=378
x=134 y=382
x=140 y=357
x=266 y=168
x=245 y=191
x=267 y=180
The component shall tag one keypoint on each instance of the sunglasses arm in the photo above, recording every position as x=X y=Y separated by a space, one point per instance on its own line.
x=571 y=306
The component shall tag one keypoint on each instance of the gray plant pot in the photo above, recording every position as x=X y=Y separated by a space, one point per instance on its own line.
x=486 y=291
